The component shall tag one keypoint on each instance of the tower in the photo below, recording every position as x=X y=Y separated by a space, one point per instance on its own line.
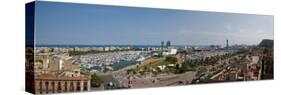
x=226 y=44
x=168 y=44
x=162 y=46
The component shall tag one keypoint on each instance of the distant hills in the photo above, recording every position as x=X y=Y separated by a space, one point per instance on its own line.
x=266 y=43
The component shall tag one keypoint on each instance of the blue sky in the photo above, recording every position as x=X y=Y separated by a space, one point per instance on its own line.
x=85 y=24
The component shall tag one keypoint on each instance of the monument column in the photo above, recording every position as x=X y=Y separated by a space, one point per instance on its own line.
x=75 y=85
x=43 y=86
x=68 y=86
x=37 y=86
x=56 y=86
x=50 y=88
x=63 y=86
x=89 y=85
x=81 y=85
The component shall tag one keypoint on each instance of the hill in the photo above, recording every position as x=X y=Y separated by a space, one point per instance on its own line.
x=266 y=43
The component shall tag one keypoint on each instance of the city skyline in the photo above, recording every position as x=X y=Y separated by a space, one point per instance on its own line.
x=82 y=24
x=84 y=47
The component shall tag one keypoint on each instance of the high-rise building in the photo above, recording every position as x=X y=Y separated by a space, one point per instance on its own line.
x=168 y=44
x=162 y=45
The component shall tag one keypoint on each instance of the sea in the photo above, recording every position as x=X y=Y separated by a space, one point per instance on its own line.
x=133 y=46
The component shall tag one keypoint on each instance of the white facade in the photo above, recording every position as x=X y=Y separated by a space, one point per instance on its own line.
x=61 y=64
x=170 y=52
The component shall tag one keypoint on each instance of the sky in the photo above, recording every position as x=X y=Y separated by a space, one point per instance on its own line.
x=87 y=24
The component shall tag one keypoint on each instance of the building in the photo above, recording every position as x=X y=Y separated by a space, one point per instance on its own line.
x=267 y=64
x=162 y=46
x=48 y=83
x=170 y=51
x=58 y=73
x=226 y=44
x=168 y=44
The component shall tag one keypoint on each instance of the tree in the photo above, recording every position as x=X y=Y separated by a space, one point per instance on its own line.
x=96 y=81
x=134 y=71
x=171 y=59
x=186 y=66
